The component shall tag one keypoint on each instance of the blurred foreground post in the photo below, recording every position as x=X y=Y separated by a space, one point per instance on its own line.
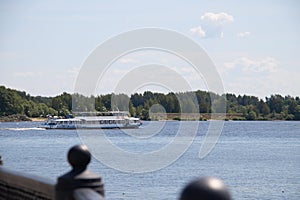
x=208 y=188
x=79 y=183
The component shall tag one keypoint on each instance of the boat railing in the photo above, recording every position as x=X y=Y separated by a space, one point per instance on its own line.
x=108 y=113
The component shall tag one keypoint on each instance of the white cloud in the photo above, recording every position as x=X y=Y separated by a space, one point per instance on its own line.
x=243 y=34
x=217 y=18
x=267 y=64
x=259 y=77
x=262 y=84
x=198 y=30
x=211 y=24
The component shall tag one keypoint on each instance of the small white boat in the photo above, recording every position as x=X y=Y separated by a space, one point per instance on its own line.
x=102 y=120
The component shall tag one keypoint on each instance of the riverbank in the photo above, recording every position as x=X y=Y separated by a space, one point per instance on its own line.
x=37 y=119
x=241 y=107
x=221 y=116
x=14 y=118
x=218 y=116
x=171 y=117
x=20 y=118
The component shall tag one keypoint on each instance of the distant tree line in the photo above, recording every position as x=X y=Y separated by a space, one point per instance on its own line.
x=275 y=107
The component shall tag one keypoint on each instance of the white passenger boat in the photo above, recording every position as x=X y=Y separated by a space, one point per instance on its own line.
x=104 y=120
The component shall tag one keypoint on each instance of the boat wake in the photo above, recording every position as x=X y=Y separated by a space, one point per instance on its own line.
x=25 y=129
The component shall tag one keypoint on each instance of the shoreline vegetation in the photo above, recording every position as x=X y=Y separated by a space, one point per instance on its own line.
x=197 y=105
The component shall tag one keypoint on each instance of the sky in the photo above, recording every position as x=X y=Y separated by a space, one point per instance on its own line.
x=255 y=45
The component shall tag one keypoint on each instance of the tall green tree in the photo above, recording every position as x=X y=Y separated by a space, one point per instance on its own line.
x=10 y=102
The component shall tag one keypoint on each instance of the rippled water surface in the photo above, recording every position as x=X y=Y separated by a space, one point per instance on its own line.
x=257 y=160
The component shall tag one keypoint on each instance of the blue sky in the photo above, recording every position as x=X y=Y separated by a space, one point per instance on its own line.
x=255 y=45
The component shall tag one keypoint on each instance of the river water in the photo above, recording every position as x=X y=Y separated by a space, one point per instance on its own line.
x=256 y=160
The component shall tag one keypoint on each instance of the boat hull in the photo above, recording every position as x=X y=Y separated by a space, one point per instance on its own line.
x=88 y=127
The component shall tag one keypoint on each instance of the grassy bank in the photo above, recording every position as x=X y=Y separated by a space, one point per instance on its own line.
x=217 y=116
x=195 y=116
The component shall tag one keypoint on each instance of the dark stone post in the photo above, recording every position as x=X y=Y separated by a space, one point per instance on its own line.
x=79 y=177
x=208 y=188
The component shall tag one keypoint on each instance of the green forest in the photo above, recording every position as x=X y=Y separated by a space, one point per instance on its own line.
x=18 y=105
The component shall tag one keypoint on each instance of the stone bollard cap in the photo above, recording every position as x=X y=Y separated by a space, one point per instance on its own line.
x=79 y=177
x=207 y=188
x=79 y=156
